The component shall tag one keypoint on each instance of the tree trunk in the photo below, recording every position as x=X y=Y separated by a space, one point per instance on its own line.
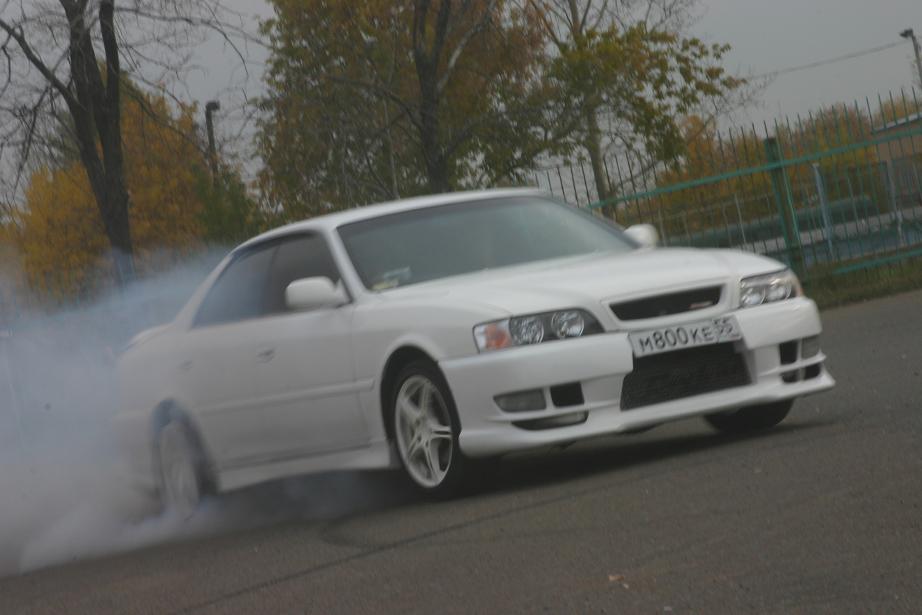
x=96 y=110
x=593 y=145
x=436 y=169
x=115 y=209
x=434 y=157
x=427 y=61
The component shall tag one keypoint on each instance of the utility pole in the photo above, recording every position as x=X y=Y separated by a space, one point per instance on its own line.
x=910 y=35
x=210 y=107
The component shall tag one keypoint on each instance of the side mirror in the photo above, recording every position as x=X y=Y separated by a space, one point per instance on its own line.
x=314 y=294
x=644 y=234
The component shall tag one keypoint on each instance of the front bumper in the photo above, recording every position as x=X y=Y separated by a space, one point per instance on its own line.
x=599 y=364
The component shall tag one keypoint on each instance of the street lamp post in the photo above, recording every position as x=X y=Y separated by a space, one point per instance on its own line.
x=910 y=35
x=210 y=107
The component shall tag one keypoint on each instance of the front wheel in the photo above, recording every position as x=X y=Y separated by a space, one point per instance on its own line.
x=426 y=429
x=753 y=418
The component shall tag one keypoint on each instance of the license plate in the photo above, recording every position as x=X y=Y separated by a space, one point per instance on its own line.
x=703 y=333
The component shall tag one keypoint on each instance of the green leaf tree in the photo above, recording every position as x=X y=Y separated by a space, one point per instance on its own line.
x=382 y=99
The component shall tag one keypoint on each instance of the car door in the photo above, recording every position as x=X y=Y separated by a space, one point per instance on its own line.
x=215 y=365
x=305 y=377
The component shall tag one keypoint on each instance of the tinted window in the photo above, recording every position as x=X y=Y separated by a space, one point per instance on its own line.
x=437 y=242
x=240 y=291
x=304 y=256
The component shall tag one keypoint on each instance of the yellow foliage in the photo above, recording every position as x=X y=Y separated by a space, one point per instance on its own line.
x=63 y=241
x=708 y=155
x=63 y=238
x=744 y=196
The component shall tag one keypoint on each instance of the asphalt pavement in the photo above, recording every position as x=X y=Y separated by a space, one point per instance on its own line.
x=821 y=515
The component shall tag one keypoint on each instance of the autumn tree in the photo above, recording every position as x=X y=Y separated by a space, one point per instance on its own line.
x=382 y=99
x=894 y=108
x=61 y=231
x=630 y=72
x=731 y=187
x=707 y=152
x=68 y=56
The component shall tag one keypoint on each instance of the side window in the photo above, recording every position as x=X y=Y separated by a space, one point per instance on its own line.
x=302 y=256
x=239 y=292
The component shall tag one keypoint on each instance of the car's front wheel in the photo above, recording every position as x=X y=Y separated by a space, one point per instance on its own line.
x=753 y=418
x=426 y=428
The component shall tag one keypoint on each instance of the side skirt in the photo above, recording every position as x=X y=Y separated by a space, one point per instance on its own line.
x=374 y=456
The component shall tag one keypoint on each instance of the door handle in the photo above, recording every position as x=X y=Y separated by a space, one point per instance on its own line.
x=265 y=356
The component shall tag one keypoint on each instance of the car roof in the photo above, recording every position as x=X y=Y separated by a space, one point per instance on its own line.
x=334 y=220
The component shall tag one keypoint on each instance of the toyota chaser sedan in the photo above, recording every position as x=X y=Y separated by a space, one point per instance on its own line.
x=432 y=333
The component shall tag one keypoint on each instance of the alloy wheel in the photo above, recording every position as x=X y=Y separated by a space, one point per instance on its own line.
x=424 y=431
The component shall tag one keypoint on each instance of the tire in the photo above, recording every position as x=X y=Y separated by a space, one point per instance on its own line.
x=425 y=426
x=751 y=419
x=180 y=475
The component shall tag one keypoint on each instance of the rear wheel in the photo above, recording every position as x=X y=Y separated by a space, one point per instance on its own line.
x=426 y=428
x=753 y=418
x=180 y=470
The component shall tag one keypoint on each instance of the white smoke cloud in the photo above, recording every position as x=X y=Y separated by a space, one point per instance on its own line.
x=64 y=492
x=62 y=488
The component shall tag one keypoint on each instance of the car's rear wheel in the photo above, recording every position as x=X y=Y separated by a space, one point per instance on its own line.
x=426 y=428
x=179 y=470
x=752 y=418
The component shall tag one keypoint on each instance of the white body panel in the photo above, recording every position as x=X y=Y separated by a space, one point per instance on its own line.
x=301 y=392
x=297 y=394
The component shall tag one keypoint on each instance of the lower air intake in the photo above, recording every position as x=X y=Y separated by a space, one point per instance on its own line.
x=684 y=373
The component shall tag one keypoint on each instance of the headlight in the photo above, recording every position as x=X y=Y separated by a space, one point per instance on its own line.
x=534 y=329
x=769 y=288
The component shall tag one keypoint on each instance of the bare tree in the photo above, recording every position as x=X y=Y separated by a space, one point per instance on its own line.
x=62 y=63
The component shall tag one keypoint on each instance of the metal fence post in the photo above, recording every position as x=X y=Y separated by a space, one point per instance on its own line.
x=739 y=216
x=894 y=203
x=785 y=204
x=824 y=210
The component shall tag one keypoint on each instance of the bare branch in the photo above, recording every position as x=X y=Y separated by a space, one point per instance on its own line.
x=18 y=35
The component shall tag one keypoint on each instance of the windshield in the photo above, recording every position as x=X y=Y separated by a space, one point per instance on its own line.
x=448 y=240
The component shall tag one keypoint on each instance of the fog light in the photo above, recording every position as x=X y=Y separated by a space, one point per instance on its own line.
x=523 y=401
x=810 y=347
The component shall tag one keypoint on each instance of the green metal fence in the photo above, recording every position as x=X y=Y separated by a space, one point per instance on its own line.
x=829 y=193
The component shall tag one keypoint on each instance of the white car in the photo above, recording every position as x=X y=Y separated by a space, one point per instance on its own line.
x=434 y=332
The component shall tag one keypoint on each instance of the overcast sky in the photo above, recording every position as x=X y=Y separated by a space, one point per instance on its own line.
x=766 y=35
x=769 y=35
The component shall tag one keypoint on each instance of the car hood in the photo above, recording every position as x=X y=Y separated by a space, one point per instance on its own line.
x=594 y=278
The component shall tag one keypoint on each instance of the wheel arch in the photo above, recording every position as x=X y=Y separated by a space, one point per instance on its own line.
x=396 y=361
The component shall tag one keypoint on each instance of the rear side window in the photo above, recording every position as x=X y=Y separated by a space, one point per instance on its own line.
x=302 y=256
x=240 y=291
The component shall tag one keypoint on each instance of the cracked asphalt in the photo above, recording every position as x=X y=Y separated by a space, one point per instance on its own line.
x=821 y=515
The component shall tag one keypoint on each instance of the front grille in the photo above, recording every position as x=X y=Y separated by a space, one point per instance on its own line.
x=664 y=305
x=683 y=373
